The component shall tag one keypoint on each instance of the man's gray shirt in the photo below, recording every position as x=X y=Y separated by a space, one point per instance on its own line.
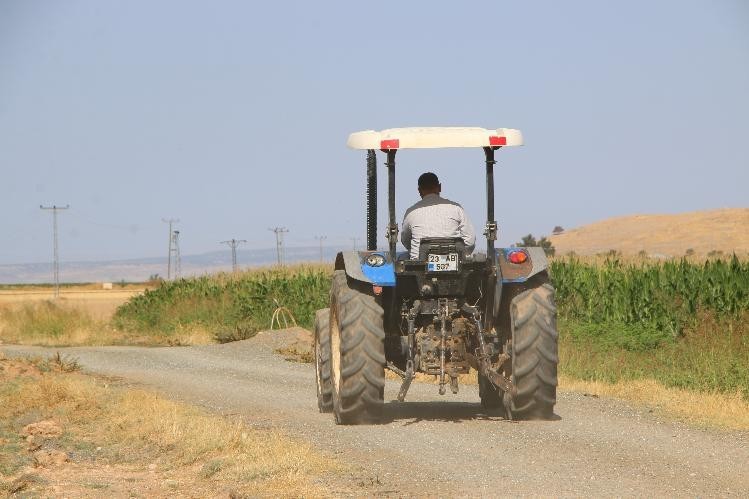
x=435 y=216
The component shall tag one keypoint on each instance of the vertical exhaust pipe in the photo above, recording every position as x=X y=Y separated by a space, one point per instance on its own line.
x=371 y=200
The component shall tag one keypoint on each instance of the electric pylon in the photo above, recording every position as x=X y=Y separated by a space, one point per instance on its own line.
x=279 y=243
x=321 y=239
x=233 y=243
x=56 y=265
x=169 y=221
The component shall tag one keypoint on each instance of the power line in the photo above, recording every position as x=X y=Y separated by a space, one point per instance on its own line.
x=279 y=231
x=321 y=239
x=170 y=221
x=233 y=243
x=56 y=265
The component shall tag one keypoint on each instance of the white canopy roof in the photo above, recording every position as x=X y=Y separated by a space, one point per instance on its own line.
x=434 y=137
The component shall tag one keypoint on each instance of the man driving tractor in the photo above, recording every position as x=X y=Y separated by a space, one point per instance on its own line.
x=435 y=216
x=440 y=312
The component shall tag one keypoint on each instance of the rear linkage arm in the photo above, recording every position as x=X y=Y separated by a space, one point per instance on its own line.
x=409 y=374
x=485 y=365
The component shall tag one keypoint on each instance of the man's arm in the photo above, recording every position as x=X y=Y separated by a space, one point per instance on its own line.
x=406 y=233
x=466 y=232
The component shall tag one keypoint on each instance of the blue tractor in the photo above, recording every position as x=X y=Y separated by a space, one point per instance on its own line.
x=442 y=314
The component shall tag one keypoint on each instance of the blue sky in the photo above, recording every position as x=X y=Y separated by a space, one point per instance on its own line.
x=233 y=116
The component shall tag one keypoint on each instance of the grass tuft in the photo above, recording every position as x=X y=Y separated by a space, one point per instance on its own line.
x=44 y=323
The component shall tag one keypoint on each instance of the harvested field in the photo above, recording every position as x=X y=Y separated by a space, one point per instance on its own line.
x=725 y=230
x=99 y=303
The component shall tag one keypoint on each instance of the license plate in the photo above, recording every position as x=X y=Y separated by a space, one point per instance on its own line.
x=442 y=263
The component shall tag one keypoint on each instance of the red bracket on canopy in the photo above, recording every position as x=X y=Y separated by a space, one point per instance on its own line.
x=389 y=144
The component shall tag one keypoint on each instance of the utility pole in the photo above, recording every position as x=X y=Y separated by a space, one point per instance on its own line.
x=169 y=221
x=354 y=239
x=279 y=242
x=56 y=264
x=233 y=243
x=321 y=239
x=177 y=256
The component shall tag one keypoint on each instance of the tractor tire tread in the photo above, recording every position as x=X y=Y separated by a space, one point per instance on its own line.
x=322 y=361
x=362 y=353
x=535 y=352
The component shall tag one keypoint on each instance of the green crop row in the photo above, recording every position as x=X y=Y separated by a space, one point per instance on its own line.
x=652 y=298
x=228 y=302
x=684 y=324
x=665 y=296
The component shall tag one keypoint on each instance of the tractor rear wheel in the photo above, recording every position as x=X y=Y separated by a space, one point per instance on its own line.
x=357 y=352
x=534 y=352
x=322 y=361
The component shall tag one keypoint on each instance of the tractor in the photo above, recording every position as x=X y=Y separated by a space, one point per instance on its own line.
x=442 y=314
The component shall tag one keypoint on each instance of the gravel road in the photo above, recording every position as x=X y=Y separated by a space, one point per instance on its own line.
x=441 y=446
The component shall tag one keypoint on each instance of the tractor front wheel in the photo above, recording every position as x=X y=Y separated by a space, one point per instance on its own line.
x=357 y=352
x=322 y=360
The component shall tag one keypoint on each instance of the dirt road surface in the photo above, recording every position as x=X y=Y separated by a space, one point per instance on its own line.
x=442 y=446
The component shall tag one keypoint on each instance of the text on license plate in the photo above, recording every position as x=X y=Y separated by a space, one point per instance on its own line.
x=441 y=263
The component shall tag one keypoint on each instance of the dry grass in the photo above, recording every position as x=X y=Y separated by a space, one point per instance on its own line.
x=136 y=431
x=58 y=323
x=45 y=323
x=297 y=353
x=701 y=408
x=725 y=230
x=225 y=450
x=100 y=304
x=66 y=288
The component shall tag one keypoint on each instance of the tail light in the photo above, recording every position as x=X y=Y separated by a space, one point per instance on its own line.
x=517 y=256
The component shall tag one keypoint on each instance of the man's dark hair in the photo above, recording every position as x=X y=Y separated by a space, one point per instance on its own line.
x=427 y=180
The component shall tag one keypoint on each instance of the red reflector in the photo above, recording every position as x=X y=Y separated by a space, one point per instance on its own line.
x=377 y=290
x=390 y=144
x=495 y=140
x=517 y=257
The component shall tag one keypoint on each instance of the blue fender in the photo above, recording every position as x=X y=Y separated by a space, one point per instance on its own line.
x=356 y=267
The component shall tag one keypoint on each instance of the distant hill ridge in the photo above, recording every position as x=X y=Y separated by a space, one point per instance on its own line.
x=140 y=269
x=725 y=230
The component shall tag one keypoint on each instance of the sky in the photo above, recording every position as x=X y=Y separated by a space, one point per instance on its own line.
x=232 y=116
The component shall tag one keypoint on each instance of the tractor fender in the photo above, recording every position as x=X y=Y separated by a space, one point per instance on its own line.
x=356 y=267
x=514 y=272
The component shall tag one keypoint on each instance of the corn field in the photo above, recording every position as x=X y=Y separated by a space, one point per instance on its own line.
x=246 y=300
x=665 y=295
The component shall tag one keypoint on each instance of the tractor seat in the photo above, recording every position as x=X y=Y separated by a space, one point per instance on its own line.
x=442 y=246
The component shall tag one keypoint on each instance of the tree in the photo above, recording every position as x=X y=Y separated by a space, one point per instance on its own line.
x=530 y=241
x=547 y=246
x=557 y=230
x=527 y=242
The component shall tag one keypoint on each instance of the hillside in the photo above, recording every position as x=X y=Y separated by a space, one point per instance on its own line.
x=725 y=230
